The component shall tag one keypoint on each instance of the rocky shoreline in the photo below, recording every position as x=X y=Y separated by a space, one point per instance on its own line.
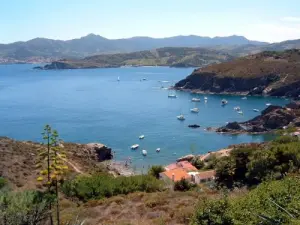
x=271 y=119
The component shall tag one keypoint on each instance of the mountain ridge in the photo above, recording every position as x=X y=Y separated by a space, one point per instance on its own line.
x=93 y=44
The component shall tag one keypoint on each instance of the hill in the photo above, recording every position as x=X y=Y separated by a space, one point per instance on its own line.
x=267 y=73
x=94 y=44
x=172 y=56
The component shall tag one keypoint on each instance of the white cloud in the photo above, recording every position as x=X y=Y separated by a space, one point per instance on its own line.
x=291 y=19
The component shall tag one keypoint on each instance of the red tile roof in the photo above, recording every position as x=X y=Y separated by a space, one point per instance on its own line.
x=183 y=165
x=178 y=173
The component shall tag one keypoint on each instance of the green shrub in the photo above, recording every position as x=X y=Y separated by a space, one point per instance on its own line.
x=285 y=139
x=2 y=182
x=183 y=185
x=156 y=170
x=19 y=208
x=198 y=163
x=103 y=185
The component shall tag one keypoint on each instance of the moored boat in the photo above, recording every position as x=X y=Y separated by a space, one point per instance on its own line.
x=194 y=110
x=144 y=152
x=196 y=99
x=142 y=137
x=224 y=102
x=256 y=110
x=158 y=150
x=180 y=117
x=135 y=146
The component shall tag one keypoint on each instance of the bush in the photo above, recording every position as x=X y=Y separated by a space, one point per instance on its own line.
x=183 y=185
x=103 y=185
x=198 y=163
x=19 y=208
x=156 y=170
x=2 y=182
x=285 y=139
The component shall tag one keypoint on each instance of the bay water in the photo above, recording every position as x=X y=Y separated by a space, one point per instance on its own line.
x=93 y=106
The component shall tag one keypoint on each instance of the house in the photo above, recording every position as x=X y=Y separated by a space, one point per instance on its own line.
x=204 y=176
x=175 y=175
x=185 y=165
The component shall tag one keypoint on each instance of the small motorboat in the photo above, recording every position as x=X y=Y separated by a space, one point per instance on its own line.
x=118 y=78
x=244 y=98
x=268 y=104
x=142 y=137
x=224 y=102
x=158 y=150
x=205 y=98
x=144 y=152
x=136 y=146
x=172 y=96
x=240 y=112
x=195 y=110
x=196 y=99
x=256 y=110
x=237 y=108
x=180 y=117
x=205 y=101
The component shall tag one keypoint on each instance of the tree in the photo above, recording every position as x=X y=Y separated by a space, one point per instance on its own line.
x=197 y=162
x=56 y=166
x=225 y=170
x=156 y=170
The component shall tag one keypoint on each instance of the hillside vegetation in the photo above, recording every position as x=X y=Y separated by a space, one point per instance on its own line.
x=176 y=57
x=268 y=73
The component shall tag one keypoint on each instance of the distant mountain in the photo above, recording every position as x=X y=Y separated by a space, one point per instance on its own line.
x=94 y=44
x=243 y=50
x=169 y=56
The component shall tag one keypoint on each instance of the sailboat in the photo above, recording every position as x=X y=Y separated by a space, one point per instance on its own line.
x=224 y=101
x=118 y=78
x=196 y=99
x=144 y=152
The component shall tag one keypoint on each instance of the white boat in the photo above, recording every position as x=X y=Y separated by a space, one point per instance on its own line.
x=118 y=78
x=240 y=112
x=158 y=150
x=195 y=110
x=172 y=96
x=268 y=104
x=196 y=99
x=205 y=98
x=224 y=102
x=244 y=98
x=136 y=146
x=256 y=110
x=237 y=108
x=144 y=152
x=180 y=117
x=142 y=137
x=205 y=101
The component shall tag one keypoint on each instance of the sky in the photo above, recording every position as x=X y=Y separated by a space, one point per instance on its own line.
x=262 y=20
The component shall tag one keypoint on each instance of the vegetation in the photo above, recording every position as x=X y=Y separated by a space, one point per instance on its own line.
x=183 y=185
x=20 y=208
x=275 y=202
x=252 y=165
x=100 y=186
x=2 y=182
x=156 y=170
x=198 y=163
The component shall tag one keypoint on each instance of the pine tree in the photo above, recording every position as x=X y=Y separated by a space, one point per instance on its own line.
x=52 y=161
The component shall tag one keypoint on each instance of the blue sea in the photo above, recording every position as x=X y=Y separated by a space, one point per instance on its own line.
x=92 y=106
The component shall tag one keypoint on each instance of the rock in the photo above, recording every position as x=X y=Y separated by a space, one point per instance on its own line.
x=294 y=105
x=99 y=151
x=296 y=122
x=186 y=158
x=257 y=129
x=194 y=126
x=231 y=127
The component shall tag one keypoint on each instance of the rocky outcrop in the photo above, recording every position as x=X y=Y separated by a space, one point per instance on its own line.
x=272 y=118
x=99 y=151
x=186 y=158
x=231 y=127
x=267 y=73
